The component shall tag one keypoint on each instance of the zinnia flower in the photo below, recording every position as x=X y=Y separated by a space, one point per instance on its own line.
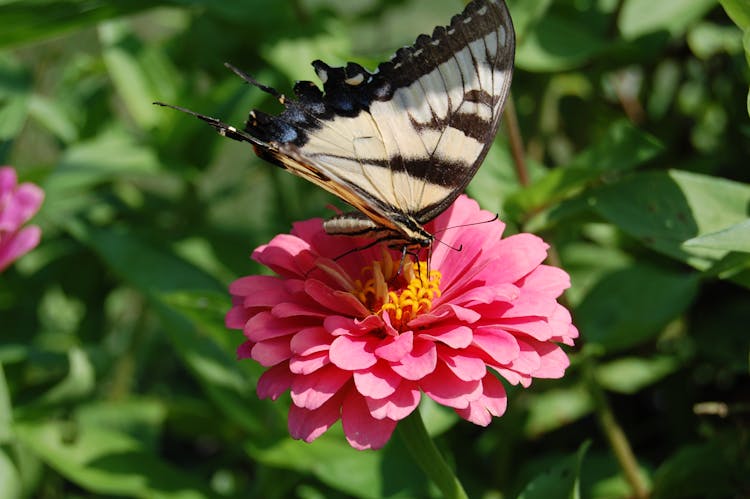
x=360 y=338
x=18 y=203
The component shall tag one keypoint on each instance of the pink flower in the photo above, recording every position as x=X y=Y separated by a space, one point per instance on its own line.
x=18 y=203
x=357 y=340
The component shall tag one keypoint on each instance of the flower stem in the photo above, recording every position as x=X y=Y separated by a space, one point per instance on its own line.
x=615 y=435
x=428 y=457
x=516 y=141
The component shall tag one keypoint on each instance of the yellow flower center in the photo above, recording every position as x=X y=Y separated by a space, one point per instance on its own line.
x=403 y=294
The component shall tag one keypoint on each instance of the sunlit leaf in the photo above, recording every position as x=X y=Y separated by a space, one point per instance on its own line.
x=673 y=16
x=632 y=374
x=555 y=408
x=739 y=11
x=665 y=209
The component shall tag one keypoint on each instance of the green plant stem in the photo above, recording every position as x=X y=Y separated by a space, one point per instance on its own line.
x=428 y=457
x=614 y=433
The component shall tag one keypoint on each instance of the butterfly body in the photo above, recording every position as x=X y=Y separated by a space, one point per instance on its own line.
x=401 y=143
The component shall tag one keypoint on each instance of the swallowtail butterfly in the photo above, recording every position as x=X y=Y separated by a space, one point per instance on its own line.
x=401 y=143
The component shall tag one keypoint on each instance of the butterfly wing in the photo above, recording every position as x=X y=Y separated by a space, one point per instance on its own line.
x=406 y=139
x=399 y=144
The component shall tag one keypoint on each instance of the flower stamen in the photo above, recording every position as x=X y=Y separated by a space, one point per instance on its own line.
x=410 y=294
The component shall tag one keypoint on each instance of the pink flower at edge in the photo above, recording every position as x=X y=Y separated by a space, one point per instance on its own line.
x=18 y=203
x=357 y=340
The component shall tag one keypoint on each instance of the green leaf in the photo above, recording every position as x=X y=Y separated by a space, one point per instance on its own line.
x=79 y=382
x=292 y=56
x=526 y=14
x=140 y=418
x=496 y=180
x=6 y=409
x=106 y=461
x=214 y=363
x=663 y=210
x=556 y=408
x=623 y=147
x=53 y=117
x=702 y=470
x=562 y=481
x=387 y=473
x=738 y=11
x=631 y=306
x=26 y=22
x=639 y=17
x=143 y=263
x=139 y=75
x=709 y=39
x=734 y=238
x=15 y=88
x=112 y=155
x=10 y=481
x=631 y=374
x=558 y=43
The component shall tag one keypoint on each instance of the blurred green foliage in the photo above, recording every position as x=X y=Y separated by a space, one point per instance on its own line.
x=117 y=376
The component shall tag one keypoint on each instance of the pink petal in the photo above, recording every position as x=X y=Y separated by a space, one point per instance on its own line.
x=313 y=390
x=337 y=325
x=245 y=350
x=501 y=346
x=466 y=368
x=444 y=312
x=530 y=305
x=298 y=309
x=393 y=348
x=445 y=388
x=308 y=364
x=353 y=353
x=377 y=382
x=286 y=255
x=547 y=280
x=18 y=244
x=361 y=429
x=271 y=352
x=337 y=301
x=260 y=290
x=535 y=327
x=274 y=382
x=554 y=362
x=450 y=335
x=310 y=340
x=420 y=362
x=264 y=326
x=516 y=256
x=528 y=360
x=237 y=317
x=493 y=402
x=8 y=180
x=486 y=293
x=307 y=425
x=20 y=206
x=397 y=405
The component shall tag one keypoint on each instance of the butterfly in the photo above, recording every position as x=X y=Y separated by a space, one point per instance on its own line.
x=398 y=144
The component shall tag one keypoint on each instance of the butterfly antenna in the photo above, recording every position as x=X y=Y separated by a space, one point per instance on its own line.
x=460 y=246
x=221 y=127
x=497 y=216
x=252 y=81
